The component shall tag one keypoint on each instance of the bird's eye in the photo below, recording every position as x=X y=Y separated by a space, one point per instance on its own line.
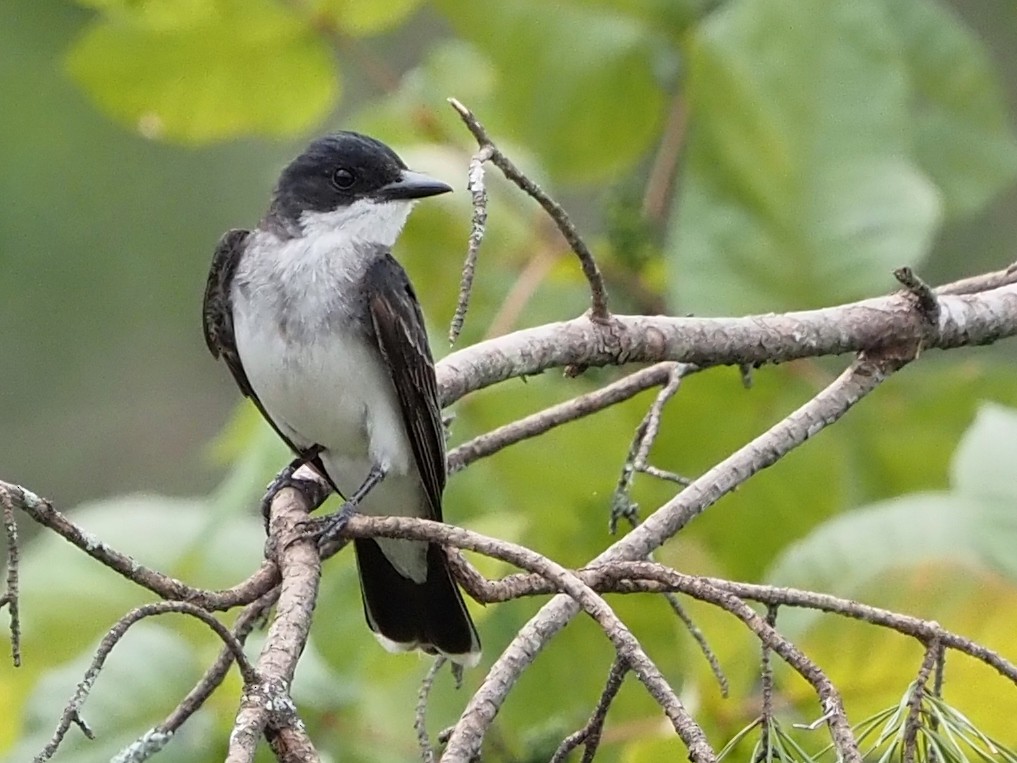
x=343 y=179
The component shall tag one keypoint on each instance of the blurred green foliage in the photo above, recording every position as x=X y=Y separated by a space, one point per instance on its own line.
x=822 y=144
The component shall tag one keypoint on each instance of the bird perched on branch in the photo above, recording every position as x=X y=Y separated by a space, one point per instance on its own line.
x=321 y=329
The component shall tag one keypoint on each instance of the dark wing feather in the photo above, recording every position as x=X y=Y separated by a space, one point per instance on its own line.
x=218 y=309
x=217 y=312
x=402 y=339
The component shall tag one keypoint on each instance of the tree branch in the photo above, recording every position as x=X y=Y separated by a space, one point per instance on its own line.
x=164 y=586
x=870 y=325
x=71 y=715
x=860 y=379
x=266 y=705
x=571 y=410
x=490 y=152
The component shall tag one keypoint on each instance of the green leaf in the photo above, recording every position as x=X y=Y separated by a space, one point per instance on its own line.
x=579 y=86
x=984 y=462
x=972 y=525
x=362 y=18
x=800 y=190
x=851 y=549
x=249 y=68
x=963 y=134
x=904 y=554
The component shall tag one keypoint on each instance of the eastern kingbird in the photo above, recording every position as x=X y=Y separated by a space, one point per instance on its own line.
x=321 y=329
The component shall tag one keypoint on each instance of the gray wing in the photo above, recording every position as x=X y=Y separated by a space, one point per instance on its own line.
x=398 y=328
x=217 y=312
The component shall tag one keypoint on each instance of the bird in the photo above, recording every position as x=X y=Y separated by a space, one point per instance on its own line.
x=322 y=330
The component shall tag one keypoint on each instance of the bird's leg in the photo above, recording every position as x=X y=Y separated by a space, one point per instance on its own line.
x=328 y=528
x=313 y=490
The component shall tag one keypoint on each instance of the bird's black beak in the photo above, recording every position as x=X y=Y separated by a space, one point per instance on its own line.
x=412 y=185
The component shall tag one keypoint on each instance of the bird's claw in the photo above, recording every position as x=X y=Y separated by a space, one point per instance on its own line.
x=329 y=528
x=313 y=491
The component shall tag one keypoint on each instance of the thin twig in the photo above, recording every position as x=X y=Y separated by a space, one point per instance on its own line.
x=153 y=740
x=620 y=577
x=700 y=638
x=478 y=226
x=622 y=504
x=164 y=586
x=979 y=283
x=589 y=734
x=625 y=643
x=598 y=291
x=71 y=714
x=913 y=720
x=11 y=596
x=420 y=715
x=637 y=461
x=537 y=423
x=766 y=683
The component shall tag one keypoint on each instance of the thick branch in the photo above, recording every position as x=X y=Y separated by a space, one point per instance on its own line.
x=267 y=707
x=873 y=324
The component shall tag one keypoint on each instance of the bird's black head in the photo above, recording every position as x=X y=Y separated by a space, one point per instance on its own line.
x=338 y=170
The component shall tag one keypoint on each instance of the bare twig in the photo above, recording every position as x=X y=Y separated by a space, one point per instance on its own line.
x=478 y=226
x=637 y=460
x=420 y=716
x=983 y=282
x=628 y=648
x=913 y=719
x=830 y=700
x=11 y=596
x=622 y=504
x=589 y=734
x=651 y=577
x=71 y=715
x=824 y=409
x=700 y=638
x=153 y=740
x=766 y=683
x=598 y=310
x=606 y=576
x=571 y=410
x=164 y=586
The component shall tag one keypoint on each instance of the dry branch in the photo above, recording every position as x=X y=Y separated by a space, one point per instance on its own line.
x=886 y=332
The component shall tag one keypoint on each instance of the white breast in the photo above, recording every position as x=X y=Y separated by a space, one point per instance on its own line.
x=316 y=376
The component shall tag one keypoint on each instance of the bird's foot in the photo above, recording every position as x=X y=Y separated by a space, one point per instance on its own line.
x=328 y=529
x=314 y=491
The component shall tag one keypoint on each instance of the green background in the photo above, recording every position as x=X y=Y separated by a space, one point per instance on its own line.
x=821 y=144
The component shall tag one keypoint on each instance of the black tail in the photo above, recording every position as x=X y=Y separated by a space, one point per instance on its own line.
x=429 y=615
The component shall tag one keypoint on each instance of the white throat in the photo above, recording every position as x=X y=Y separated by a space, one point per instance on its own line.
x=363 y=221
